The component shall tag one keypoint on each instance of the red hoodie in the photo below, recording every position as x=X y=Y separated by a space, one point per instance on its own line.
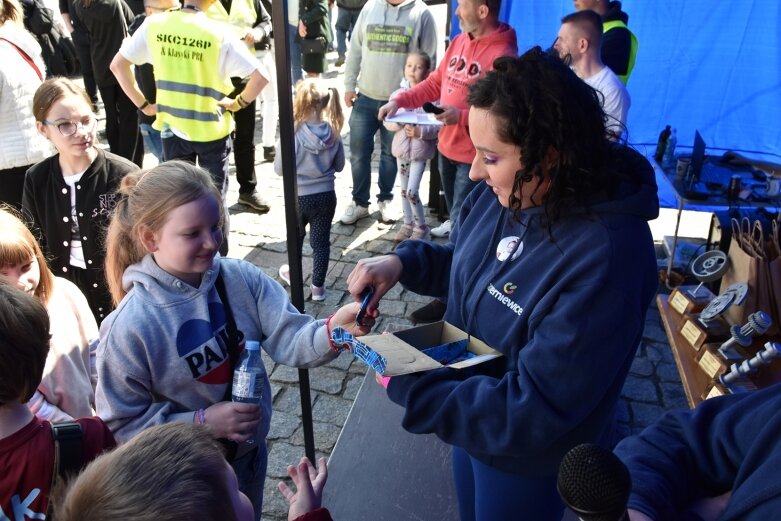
x=465 y=61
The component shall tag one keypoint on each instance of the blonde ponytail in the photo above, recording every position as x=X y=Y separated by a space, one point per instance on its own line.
x=146 y=199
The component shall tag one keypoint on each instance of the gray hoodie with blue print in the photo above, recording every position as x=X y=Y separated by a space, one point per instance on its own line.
x=163 y=352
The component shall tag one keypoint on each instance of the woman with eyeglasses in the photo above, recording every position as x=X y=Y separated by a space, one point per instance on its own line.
x=70 y=195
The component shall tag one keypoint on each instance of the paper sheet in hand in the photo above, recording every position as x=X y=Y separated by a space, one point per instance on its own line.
x=413 y=118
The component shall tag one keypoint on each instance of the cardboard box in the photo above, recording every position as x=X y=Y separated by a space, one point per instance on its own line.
x=401 y=351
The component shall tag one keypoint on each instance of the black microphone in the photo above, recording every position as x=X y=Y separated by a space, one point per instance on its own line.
x=594 y=483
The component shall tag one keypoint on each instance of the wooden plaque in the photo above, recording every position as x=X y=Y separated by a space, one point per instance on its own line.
x=692 y=332
x=713 y=390
x=711 y=363
x=683 y=299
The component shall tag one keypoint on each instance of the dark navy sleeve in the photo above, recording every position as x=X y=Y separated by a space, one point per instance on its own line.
x=426 y=267
x=688 y=455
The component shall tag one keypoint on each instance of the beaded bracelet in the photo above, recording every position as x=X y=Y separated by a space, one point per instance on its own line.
x=200 y=417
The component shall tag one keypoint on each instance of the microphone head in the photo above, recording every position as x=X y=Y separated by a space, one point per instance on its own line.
x=594 y=483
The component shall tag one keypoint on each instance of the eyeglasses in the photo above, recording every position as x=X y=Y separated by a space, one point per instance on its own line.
x=68 y=128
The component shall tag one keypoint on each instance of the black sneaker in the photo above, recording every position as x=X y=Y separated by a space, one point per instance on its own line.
x=431 y=312
x=254 y=201
x=269 y=153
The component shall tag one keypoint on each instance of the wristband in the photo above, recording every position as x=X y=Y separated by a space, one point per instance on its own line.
x=241 y=101
x=328 y=333
x=200 y=417
x=144 y=105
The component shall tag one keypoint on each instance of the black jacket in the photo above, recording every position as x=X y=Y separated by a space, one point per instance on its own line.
x=107 y=22
x=47 y=201
x=616 y=43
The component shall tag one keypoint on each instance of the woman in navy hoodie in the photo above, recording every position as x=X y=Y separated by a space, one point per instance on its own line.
x=566 y=307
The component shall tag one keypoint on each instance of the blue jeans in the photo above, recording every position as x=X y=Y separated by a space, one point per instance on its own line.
x=455 y=183
x=152 y=140
x=345 y=22
x=295 y=54
x=486 y=493
x=250 y=472
x=363 y=126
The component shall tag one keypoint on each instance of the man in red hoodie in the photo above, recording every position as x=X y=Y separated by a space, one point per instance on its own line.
x=483 y=39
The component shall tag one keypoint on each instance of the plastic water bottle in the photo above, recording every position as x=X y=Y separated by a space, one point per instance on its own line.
x=669 y=150
x=248 y=376
x=664 y=135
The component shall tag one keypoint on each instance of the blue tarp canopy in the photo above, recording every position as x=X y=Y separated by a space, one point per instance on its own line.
x=701 y=65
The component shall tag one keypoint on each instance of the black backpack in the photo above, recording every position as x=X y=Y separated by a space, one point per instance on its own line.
x=57 y=50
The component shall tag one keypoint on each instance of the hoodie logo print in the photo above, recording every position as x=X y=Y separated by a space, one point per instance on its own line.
x=504 y=299
x=390 y=39
x=461 y=73
x=203 y=346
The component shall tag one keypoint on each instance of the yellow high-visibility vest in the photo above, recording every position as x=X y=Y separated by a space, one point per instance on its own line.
x=185 y=49
x=241 y=18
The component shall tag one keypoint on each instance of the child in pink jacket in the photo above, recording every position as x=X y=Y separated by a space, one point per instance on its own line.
x=413 y=145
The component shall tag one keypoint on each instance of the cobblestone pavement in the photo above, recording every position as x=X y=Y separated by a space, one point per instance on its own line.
x=653 y=385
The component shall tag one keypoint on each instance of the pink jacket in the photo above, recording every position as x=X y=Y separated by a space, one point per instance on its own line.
x=413 y=149
x=465 y=61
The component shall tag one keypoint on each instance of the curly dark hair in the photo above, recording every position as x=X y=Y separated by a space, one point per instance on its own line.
x=555 y=119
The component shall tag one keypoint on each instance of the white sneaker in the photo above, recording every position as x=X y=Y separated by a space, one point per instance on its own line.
x=284 y=273
x=353 y=213
x=318 y=293
x=443 y=230
x=386 y=215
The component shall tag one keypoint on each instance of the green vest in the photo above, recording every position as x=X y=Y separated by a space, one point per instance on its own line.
x=241 y=18
x=632 y=46
x=185 y=52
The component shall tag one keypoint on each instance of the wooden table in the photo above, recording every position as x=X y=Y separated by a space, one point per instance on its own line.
x=693 y=378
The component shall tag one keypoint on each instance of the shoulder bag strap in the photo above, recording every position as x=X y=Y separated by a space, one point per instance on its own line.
x=68 y=453
x=26 y=58
x=233 y=333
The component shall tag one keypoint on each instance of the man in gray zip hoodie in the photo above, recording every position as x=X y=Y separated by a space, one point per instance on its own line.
x=386 y=31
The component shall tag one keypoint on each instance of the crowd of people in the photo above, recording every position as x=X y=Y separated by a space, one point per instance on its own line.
x=121 y=318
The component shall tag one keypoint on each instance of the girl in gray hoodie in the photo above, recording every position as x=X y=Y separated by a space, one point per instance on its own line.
x=184 y=313
x=318 y=118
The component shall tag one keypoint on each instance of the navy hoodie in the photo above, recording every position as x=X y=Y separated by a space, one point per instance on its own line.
x=568 y=314
x=729 y=443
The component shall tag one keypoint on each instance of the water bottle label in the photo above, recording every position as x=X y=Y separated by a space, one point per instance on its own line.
x=245 y=385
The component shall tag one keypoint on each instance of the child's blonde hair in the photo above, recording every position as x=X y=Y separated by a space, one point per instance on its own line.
x=423 y=56
x=146 y=198
x=18 y=246
x=312 y=96
x=166 y=473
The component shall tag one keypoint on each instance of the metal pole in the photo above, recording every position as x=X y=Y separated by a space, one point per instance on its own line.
x=288 y=158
